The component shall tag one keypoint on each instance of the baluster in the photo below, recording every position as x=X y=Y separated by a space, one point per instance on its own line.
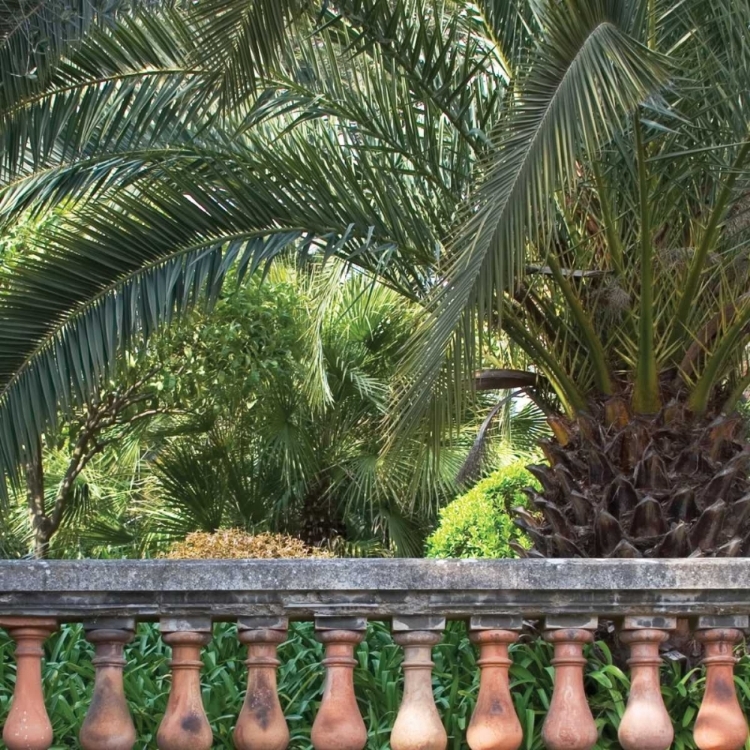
x=28 y=726
x=494 y=724
x=569 y=724
x=339 y=724
x=185 y=725
x=261 y=724
x=108 y=724
x=720 y=724
x=418 y=725
x=645 y=724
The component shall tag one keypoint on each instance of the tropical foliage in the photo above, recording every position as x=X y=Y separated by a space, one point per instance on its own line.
x=69 y=677
x=638 y=319
x=262 y=413
x=364 y=136
x=299 y=442
x=479 y=523
x=570 y=173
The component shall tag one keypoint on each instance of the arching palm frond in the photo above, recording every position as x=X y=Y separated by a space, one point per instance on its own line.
x=378 y=132
x=242 y=40
x=124 y=100
x=591 y=67
x=186 y=218
x=98 y=280
x=34 y=35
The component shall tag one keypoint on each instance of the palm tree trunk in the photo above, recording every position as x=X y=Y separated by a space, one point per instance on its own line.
x=35 y=493
x=320 y=520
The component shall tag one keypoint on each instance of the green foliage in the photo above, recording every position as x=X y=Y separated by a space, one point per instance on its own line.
x=479 y=523
x=250 y=337
x=292 y=376
x=262 y=412
x=68 y=680
x=574 y=174
x=369 y=141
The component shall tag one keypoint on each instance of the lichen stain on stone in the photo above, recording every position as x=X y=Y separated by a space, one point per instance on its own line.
x=262 y=704
x=723 y=691
x=192 y=723
x=496 y=707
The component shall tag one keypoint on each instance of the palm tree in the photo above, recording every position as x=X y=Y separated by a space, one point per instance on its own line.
x=571 y=173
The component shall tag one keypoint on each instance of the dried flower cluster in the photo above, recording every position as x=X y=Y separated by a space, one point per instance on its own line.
x=234 y=544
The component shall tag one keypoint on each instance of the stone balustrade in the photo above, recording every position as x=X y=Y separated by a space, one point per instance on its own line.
x=644 y=598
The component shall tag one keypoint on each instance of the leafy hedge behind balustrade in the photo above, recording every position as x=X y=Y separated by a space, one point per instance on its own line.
x=479 y=523
x=68 y=679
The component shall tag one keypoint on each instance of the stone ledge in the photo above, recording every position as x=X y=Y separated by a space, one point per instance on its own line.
x=378 y=589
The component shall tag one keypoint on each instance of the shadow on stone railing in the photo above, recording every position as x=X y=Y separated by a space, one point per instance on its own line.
x=645 y=598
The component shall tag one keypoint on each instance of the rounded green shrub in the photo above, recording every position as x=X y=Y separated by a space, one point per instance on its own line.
x=479 y=523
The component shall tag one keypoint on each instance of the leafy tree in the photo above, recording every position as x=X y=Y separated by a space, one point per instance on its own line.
x=571 y=173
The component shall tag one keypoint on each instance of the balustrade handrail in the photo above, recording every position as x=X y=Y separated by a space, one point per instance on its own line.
x=374 y=588
x=647 y=598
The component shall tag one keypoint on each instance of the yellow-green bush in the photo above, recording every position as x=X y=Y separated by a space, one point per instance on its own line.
x=479 y=523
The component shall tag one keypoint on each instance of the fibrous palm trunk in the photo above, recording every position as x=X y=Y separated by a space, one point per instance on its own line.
x=320 y=521
x=670 y=485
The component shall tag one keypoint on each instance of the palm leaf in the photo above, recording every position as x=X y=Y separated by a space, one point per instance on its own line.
x=34 y=35
x=101 y=279
x=591 y=68
x=242 y=40
x=124 y=99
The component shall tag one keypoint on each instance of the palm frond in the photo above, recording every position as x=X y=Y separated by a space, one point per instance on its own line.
x=591 y=67
x=515 y=25
x=123 y=99
x=243 y=39
x=439 y=53
x=100 y=279
x=49 y=367
x=34 y=35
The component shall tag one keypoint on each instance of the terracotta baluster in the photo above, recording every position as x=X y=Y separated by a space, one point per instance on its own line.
x=28 y=726
x=261 y=724
x=108 y=724
x=645 y=724
x=720 y=724
x=418 y=725
x=569 y=724
x=494 y=724
x=185 y=725
x=339 y=724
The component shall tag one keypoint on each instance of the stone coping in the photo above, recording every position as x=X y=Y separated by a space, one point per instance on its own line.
x=374 y=588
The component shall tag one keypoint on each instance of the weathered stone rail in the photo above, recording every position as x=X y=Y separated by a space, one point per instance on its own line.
x=302 y=589
x=645 y=598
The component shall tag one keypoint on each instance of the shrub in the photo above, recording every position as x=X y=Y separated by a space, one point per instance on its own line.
x=479 y=523
x=235 y=544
